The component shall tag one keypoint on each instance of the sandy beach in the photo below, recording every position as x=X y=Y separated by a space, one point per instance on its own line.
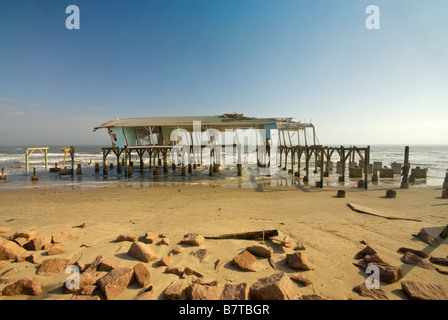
x=316 y=217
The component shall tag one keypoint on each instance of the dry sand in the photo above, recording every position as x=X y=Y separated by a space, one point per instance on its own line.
x=307 y=214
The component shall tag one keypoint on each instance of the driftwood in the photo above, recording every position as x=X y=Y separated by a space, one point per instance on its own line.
x=253 y=235
x=377 y=213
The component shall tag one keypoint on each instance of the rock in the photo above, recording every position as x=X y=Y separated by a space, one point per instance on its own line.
x=175 y=270
x=177 y=250
x=414 y=259
x=377 y=294
x=55 y=250
x=389 y=274
x=301 y=279
x=28 y=235
x=88 y=290
x=416 y=290
x=201 y=292
x=312 y=297
x=391 y=193
x=150 y=237
x=146 y=294
x=219 y=263
x=417 y=252
x=277 y=261
x=62 y=237
x=164 y=241
x=115 y=282
x=376 y=258
x=19 y=259
x=123 y=237
x=34 y=258
x=165 y=261
x=201 y=254
x=174 y=290
x=368 y=250
x=142 y=252
x=191 y=272
x=81 y=265
x=84 y=280
x=193 y=239
x=53 y=266
x=300 y=246
x=443 y=261
x=142 y=275
x=10 y=250
x=109 y=264
x=94 y=265
x=426 y=237
x=20 y=241
x=82 y=225
x=36 y=244
x=236 y=292
x=25 y=286
x=298 y=261
x=341 y=194
x=245 y=261
x=260 y=250
x=275 y=287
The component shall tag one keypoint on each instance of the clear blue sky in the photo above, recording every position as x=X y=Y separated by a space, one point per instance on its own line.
x=311 y=60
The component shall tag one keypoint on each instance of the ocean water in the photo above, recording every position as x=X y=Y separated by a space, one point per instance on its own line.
x=12 y=159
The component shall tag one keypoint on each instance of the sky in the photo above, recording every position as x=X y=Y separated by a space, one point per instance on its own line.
x=310 y=60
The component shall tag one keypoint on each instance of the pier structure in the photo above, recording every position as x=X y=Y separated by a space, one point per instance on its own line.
x=29 y=151
x=183 y=141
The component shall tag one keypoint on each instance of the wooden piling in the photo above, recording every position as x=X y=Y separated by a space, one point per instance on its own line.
x=79 y=169
x=34 y=177
x=406 y=167
x=3 y=177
